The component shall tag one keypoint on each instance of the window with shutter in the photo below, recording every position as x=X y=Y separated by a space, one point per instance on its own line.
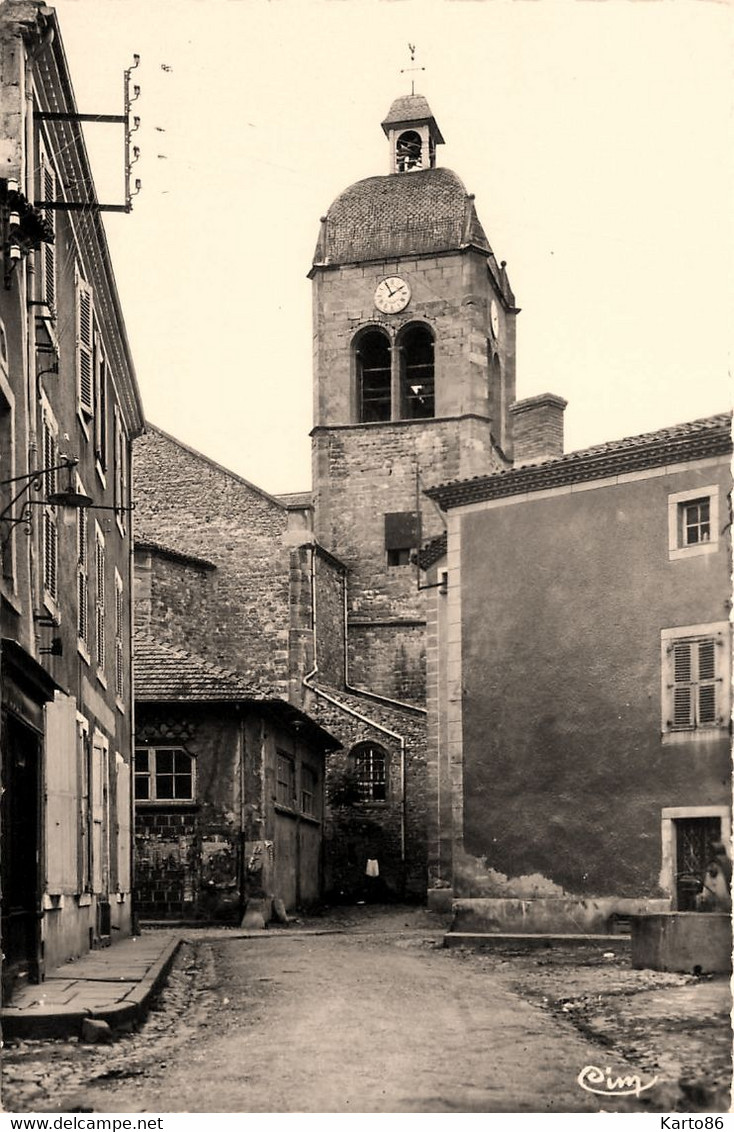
x=50 y=533
x=100 y=404
x=695 y=678
x=120 y=472
x=100 y=610
x=47 y=258
x=85 y=348
x=119 y=638
x=82 y=622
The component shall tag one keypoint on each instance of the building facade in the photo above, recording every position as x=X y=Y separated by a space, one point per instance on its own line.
x=69 y=408
x=229 y=791
x=580 y=683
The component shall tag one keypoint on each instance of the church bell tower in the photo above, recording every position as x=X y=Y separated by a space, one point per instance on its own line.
x=414 y=375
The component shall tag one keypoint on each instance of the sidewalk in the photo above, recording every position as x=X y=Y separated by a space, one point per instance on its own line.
x=114 y=985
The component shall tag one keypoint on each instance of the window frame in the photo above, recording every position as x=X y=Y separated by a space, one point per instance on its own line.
x=100 y=603
x=407 y=398
x=368 y=782
x=363 y=336
x=719 y=633
x=82 y=577
x=290 y=786
x=49 y=519
x=48 y=182
x=119 y=666
x=677 y=502
x=152 y=773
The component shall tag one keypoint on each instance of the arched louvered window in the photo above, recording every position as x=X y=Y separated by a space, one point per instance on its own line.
x=417 y=392
x=373 y=376
x=408 y=153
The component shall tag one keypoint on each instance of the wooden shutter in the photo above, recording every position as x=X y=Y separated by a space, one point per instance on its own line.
x=707 y=682
x=82 y=575
x=100 y=602
x=62 y=801
x=50 y=554
x=682 y=689
x=85 y=347
x=100 y=813
x=119 y=638
x=123 y=825
x=48 y=258
x=100 y=403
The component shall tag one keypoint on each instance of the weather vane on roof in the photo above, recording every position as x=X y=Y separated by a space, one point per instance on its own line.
x=407 y=70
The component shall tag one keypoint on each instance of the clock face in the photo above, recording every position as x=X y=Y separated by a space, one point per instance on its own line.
x=494 y=316
x=392 y=295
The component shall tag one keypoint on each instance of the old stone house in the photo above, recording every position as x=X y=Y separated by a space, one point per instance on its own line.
x=579 y=703
x=69 y=408
x=229 y=786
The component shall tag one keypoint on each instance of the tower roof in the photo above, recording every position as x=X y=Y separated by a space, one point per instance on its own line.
x=409 y=109
x=397 y=215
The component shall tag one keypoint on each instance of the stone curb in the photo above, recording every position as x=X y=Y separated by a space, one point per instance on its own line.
x=533 y=939
x=65 y=1022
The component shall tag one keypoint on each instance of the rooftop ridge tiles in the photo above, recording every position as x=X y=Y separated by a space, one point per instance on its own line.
x=705 y=435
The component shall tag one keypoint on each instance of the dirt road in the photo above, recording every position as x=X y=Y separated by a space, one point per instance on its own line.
x=332 y=1023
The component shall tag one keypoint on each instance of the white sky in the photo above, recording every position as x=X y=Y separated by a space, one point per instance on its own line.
x=596 y=137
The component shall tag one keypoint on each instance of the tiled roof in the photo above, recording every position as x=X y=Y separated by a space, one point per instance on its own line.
x=410 y=108
x=433 y=551
x=694 y=440
x=164 y=674
x=400 y=214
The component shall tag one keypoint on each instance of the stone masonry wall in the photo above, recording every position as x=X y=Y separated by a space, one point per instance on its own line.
x=244 y=617
x=354 y=833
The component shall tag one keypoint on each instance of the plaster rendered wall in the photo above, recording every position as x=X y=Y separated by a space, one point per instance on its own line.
x=565 y=774
x=213 y=515
x=187 y=855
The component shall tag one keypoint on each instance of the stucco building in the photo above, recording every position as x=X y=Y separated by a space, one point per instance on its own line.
x=69 y=408
x=579 y=697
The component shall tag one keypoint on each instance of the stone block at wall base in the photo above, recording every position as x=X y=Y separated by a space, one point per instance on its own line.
x=698 y=942
x=599 y=915
x=440 y=899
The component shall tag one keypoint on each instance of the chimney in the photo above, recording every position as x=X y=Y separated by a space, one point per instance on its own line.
x=537 y=428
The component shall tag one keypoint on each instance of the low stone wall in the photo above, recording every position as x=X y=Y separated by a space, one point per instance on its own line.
x=699 y=942
x=553 y=915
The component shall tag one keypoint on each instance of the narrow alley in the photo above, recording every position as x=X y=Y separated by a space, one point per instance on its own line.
x=372 y=1018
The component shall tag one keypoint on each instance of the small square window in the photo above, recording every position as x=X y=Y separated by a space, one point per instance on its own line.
x=693 y=522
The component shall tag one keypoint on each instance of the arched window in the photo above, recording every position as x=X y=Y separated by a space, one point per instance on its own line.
x=370 y=767
x=417 y=398
x=408 y=152
x=373 y=376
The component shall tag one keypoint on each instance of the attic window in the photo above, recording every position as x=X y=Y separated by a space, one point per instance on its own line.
x=408 y=152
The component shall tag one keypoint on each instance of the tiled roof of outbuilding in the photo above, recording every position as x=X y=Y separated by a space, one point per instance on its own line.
x=433 y=551
x=164 y=674
x=400 y=214
x=694 y=440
